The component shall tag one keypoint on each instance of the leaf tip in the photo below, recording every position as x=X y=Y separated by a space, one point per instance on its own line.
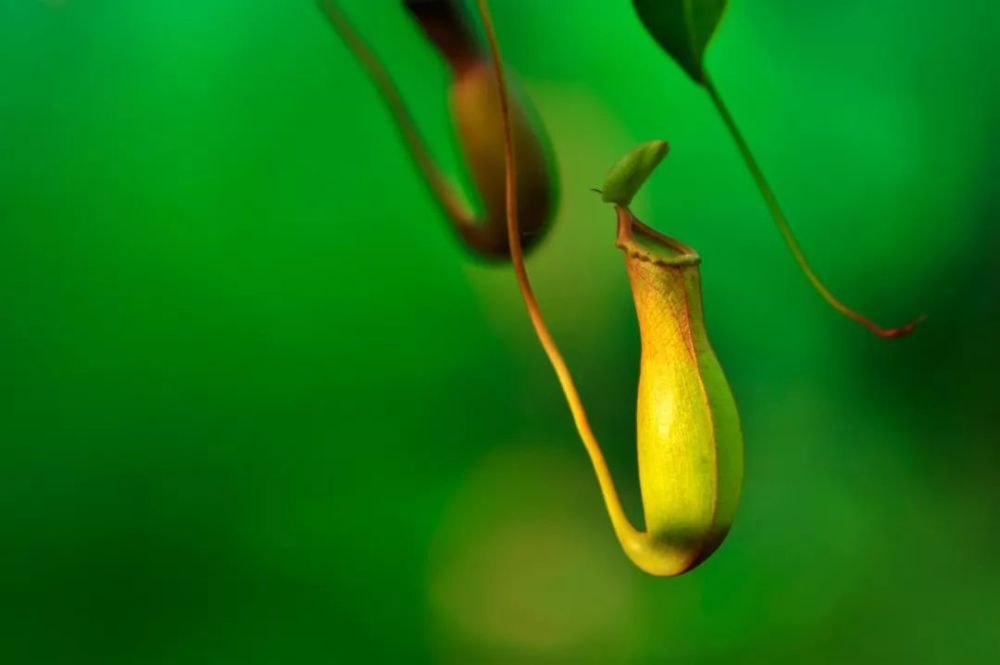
x=630 y=172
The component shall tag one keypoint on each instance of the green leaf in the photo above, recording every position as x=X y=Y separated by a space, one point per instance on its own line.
x=683 y=28
x=631 y=171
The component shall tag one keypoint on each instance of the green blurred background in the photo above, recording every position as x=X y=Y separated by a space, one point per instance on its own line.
x=257 y=406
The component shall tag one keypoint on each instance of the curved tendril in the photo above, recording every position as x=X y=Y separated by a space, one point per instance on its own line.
x=629 y=537
x=404 y=121
x=786 y=230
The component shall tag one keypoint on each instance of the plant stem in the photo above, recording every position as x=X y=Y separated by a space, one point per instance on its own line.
x=407 y=127
x=624 y=530
x=786 y=230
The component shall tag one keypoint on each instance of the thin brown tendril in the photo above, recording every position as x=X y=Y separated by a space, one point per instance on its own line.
x=626 y=533
x=407 y=127
x=786 y=230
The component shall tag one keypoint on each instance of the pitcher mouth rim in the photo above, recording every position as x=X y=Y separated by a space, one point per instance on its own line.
x=648 y=244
